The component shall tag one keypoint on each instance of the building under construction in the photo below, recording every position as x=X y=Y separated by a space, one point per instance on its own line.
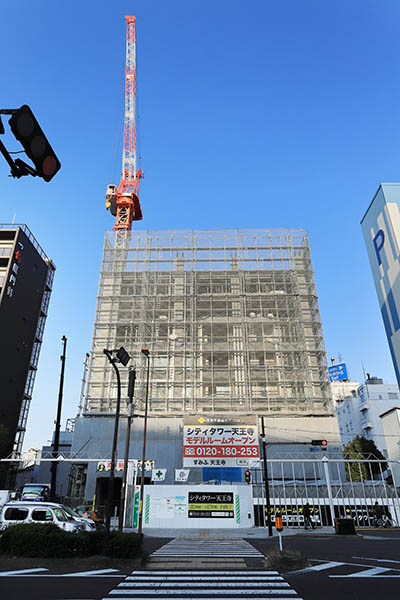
x=230 y=317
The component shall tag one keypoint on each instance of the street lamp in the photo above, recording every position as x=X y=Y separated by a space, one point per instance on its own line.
x=146 y=353
x=121 y=356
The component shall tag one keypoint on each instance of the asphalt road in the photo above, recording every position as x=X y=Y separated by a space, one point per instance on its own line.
x=346 y=567
x=342 y=567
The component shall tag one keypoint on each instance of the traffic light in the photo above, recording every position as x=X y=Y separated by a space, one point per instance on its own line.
x=247 y=476
x=28 y=132
x=322 y=443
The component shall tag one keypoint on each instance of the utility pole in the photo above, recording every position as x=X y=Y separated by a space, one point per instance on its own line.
x=267 y=498
x=56 y=443
x=131 y=408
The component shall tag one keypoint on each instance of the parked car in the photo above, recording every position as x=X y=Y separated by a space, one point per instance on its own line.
x=88 y=524
x=38 y=512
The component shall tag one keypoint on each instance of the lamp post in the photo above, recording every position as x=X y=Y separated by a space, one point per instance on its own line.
x=121 y=357
x=146 y=353
x=131 y=406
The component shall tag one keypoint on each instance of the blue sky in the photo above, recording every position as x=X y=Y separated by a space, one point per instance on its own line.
x=257 y=113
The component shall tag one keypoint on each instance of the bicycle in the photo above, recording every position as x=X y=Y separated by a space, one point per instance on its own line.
x=383 y=521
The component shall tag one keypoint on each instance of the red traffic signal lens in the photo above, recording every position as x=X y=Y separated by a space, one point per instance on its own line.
x=324 y=443
x=49 y=165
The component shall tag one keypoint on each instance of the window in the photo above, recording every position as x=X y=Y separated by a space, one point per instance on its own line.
x=16 y=514
x=392 y=396
x=42 y=514
x=60 y=514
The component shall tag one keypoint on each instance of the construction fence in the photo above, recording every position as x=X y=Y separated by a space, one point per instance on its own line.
x=332 y=487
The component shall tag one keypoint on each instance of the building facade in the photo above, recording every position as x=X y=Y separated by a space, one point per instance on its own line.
x=359 y=413
x=26 y=279
x=381 y=229
x=391 y=430
x=232 y=324
x=342 y=390
x=230 y=317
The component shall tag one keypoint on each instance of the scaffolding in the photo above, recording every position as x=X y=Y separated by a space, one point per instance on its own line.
x=230 y=317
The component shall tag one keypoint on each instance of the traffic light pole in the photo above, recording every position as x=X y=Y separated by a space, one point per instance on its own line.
x=110 y=495
x=267 y=498
x=131 y=406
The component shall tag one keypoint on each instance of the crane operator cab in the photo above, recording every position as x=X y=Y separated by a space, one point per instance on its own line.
x=111 y=199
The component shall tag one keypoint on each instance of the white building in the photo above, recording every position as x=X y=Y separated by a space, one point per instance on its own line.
x=359 y=414
x=343 y=389
x=391 y=430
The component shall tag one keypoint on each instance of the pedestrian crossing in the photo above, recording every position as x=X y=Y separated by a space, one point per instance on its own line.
x=210 y=547
x=203 y=585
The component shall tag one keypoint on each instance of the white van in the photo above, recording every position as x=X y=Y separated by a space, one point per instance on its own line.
x=37 y=512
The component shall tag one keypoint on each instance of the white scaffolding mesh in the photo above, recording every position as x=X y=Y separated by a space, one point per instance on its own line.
x=230 y=317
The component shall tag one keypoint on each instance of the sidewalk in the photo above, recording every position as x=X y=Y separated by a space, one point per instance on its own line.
x=250 y=532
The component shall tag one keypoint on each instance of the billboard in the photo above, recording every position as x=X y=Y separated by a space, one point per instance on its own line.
x=220 y=441
x=381 y=229
x=208 y=505
x=338 y=372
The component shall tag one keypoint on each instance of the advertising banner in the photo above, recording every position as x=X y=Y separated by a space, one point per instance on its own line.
x=220 y=441
x=105 y=465
x=210 y=505
x=181 y=474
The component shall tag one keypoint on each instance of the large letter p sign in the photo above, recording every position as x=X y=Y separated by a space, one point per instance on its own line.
x=378 y=241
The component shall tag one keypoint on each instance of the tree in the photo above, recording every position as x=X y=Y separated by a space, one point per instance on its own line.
x=361 y=449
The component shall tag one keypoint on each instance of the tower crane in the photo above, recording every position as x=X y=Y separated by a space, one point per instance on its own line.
x=123 y=201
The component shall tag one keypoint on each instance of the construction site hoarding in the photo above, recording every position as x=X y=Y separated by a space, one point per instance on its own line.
x=220 y=441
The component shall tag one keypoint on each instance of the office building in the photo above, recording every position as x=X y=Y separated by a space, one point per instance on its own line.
x=26 y=279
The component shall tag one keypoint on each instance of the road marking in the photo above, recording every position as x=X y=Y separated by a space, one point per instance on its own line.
x=224 y=584
x=321 y=567
x=208 y=547
x=90 y=573
x=368 y=572
x=204 y=572
x=375 y=537
x=204 y=585
x=160 y=577
x=163 y=592
x=20 y=572
x=376 y=559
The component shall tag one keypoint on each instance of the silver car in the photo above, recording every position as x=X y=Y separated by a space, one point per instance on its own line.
x=88 y=524
x=37 y=512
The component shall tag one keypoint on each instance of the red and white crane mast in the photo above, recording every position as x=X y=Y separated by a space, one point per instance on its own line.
x=123 y=202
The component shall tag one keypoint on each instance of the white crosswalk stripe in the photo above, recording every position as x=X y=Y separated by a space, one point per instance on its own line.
x=209 y=547
x=203 y=585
